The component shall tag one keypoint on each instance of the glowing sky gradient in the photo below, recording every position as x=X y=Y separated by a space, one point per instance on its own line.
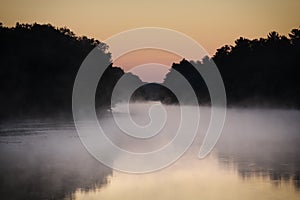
x=213 y=23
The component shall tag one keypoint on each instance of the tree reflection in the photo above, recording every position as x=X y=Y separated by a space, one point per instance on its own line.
x=47 y=166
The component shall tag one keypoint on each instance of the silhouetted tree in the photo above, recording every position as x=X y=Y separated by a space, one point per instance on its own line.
x=39 y=64
x=261 y=71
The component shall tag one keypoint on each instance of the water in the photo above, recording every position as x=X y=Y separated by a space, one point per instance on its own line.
x=257 y=157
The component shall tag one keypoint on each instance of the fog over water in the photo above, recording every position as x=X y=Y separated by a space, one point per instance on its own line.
x=257 y=156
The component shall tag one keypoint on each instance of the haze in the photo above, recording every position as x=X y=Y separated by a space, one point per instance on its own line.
x=212 y=23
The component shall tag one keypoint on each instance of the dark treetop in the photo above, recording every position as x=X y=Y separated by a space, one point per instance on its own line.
x=39 y=64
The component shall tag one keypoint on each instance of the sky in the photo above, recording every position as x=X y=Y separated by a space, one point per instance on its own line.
x=212 y=23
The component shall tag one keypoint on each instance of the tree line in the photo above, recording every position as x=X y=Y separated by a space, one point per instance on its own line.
x=39 y=63
x=256 y=72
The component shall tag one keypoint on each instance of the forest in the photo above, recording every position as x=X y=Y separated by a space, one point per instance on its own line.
x=39 y=63
x=260 y=72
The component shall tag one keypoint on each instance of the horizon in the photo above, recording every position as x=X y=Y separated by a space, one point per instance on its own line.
x=208 y=30
x=218 y=22
x=149 y=64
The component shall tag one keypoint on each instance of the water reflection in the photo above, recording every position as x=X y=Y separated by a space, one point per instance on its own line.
x=190 y=178
x=257 y=157
x=262 y=143
x=48 y=162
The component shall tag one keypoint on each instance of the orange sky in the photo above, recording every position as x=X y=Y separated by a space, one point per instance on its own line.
x=212 y=23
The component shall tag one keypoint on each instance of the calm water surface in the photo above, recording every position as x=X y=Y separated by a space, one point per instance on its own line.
x=257 y=157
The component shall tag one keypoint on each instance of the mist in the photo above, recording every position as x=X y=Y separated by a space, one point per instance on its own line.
x=46 y=159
